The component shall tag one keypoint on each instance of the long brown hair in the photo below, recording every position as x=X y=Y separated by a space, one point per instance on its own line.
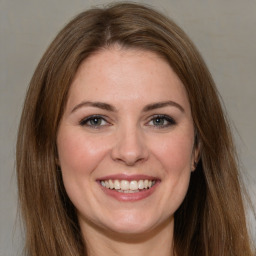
x=211 y=220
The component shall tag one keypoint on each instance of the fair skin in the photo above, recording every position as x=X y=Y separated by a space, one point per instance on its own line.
x=128 y=122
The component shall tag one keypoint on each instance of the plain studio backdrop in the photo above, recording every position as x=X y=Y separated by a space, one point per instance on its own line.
x=223 y=30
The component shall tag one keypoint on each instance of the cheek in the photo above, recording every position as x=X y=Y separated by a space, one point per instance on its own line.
x=175 y=153
x=79 y=154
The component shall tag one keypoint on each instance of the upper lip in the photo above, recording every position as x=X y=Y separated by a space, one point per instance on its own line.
x=127 y=177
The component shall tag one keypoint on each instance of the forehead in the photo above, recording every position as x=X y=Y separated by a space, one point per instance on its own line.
x=126 y=75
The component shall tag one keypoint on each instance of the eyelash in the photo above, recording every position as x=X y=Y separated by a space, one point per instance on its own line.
x=85 y=121
x=168 y=121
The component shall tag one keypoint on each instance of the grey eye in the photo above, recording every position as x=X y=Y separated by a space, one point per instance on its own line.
x=161 y=121
x=93 y=121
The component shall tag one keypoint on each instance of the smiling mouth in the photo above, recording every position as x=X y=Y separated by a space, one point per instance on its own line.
x=125 y=186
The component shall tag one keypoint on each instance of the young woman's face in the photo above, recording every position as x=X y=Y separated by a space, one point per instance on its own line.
x=126 y=141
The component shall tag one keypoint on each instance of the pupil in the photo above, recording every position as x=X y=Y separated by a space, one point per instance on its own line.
x=159 y=121
x=95 y=121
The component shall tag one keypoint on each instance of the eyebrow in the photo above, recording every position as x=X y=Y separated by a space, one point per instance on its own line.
x=101 y=105
x=108 y=107
x=162 y=105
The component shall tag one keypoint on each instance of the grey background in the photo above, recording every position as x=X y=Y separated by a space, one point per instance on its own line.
x=224 y=31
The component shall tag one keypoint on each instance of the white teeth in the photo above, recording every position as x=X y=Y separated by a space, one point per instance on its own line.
x=133 y=185
x=125 y=186
x=117 y=184
x=141 y=184
x=111 y=184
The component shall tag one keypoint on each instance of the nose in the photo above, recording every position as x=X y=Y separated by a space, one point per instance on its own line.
x=130 y=147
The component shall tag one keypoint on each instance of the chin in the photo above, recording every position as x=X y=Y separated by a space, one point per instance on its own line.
x=130 y=228
x=131 y=224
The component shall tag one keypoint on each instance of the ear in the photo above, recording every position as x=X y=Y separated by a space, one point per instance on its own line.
x=196 y=153
x=57 y=161
x=56 y=158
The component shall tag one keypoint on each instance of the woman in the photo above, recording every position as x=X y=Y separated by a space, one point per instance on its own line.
x=123 y=147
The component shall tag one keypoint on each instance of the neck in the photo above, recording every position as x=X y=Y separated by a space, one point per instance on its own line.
x=158 y=241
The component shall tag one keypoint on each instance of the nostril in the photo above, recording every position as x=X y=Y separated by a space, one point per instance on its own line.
x=130 y=151
x=130 y=160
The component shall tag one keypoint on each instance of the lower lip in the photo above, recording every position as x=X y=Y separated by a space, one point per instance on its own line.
x=129 y=197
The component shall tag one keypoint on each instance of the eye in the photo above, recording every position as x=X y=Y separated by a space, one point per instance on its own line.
x=94 y=121
x=161 y=121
